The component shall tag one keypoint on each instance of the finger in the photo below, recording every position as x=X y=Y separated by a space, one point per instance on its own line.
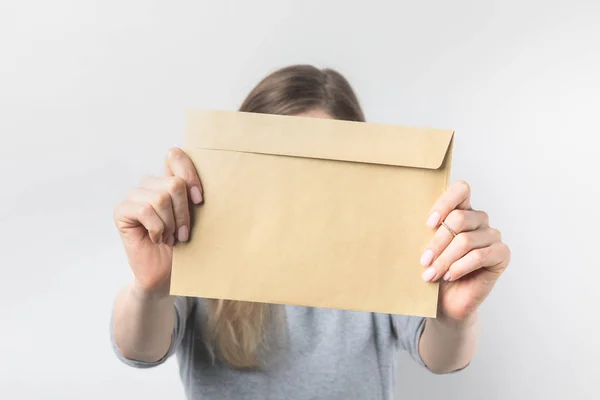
x=466 y=220
x=179 y=164
x=459 y=221
x=462 y=244
x=177 y=189
x=495 y=256
x=162 y=204
x=132 y=214
x=458 y=195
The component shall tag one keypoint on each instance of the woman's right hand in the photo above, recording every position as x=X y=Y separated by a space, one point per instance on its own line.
x=155 y=215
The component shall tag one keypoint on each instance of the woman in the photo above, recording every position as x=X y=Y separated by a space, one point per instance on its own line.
x=232 y=349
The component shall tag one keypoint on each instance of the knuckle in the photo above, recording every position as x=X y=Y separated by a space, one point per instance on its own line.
x=436 y=246
x=508 y=255
x=146 y=180
x=464 y=186
x=177 y=185
x=118 y=212
x=504 y=249
x=464 y=240
x=441 y=263
x=174 y=153
x=480 y=256
x=459 y=220
x=153 y=230
x=145 y=210
x=485 y=217
x=132 y=193
x=163 y=200
x=496 y=234
x=182 y=217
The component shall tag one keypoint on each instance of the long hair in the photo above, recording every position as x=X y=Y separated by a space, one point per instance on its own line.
x=238 y=329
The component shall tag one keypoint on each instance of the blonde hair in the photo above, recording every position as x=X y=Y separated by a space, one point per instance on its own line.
x=238 y=329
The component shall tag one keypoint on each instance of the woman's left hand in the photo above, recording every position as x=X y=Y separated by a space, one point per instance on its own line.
x=466 y=254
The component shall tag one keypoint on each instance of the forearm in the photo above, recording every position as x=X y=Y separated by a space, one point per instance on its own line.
x=448 y=346
x=143 y=324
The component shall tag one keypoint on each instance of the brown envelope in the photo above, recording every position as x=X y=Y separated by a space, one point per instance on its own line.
x=311 y=212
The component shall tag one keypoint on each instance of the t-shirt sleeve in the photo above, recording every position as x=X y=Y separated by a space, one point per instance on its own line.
x=408 y=330
x=182 y=308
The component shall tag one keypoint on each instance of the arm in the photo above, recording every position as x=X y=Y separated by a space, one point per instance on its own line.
x=143 y=324
x=447 y=347
x=147 y=322
x=467 y=256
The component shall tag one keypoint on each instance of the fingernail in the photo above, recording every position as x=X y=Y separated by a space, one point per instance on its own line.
x=434 y=219
x=171 y=240
x=182 y=233
x=428 y=274
x=447 y=276
x=426 y=258
x=195 y=195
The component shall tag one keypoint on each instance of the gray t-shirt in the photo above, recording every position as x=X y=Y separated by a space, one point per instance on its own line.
x=323 y=354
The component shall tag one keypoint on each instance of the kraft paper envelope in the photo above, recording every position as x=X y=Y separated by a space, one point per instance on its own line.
x=311 y=212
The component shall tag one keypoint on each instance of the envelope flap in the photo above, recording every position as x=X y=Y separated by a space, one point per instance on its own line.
x=317 y=138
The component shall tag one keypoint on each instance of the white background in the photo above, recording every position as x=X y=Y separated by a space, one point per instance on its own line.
x=92 y=94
